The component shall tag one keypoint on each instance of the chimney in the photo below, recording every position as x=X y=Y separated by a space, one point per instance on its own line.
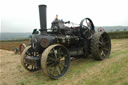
x=43 y=19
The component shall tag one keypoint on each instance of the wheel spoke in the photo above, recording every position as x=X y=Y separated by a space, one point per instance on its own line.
x=63 y=64
x=100 y=42
x=54 y=51
x=59 y=54
x=54 y=70
x=102 y=53
x=32 y=67
x=58 y=70
x=85 y=32
x=28 y=53
x=50 y=69
x=26 y=65
x=107 y=43
x=50 y=64
x=60 y=67
x=59 y=50
x=51 y=58
x=106 y=49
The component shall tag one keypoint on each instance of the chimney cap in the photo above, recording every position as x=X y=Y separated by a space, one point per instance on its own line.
x=42 y=5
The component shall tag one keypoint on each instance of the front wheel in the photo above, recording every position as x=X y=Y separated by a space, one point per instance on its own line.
x=28 y=52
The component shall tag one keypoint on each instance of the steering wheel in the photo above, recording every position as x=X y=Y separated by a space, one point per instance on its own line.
x=87 y=30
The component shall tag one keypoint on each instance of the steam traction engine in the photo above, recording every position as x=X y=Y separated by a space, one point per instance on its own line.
x=51 y=49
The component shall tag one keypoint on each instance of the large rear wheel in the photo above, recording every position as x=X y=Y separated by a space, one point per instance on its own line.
x=101 y=45
x=55 y=61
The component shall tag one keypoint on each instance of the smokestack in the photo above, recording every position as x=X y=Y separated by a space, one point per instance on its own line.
x=43 y=20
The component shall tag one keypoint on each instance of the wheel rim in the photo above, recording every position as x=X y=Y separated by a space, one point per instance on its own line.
x=28 y=52
x=57 y=61
x=104 y=45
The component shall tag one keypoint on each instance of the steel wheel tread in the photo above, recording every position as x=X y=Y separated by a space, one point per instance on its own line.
x=95 y=46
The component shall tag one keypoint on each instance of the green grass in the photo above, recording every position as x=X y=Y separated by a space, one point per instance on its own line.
x=109 y=75
x=112 y=71
x=19 y=68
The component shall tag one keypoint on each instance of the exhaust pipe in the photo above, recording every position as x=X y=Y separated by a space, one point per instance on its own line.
x=43 y=20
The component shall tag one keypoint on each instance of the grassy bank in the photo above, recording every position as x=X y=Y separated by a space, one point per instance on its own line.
x=118 y=35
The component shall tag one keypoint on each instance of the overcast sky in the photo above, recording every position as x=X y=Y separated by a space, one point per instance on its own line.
x=23 y=15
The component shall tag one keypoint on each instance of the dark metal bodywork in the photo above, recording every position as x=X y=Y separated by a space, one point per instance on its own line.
x=59 y=34
x=70 y=37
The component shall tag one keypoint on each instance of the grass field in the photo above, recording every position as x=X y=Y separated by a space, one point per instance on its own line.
x=83 y=71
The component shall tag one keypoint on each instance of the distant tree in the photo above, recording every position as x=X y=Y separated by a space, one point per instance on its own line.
x=111 y=30
x=117 y=30
x=125 y=29
x=30 y=36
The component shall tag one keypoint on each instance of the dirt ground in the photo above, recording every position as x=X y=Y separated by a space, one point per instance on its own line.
x=12 y=44
x=11 y=71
